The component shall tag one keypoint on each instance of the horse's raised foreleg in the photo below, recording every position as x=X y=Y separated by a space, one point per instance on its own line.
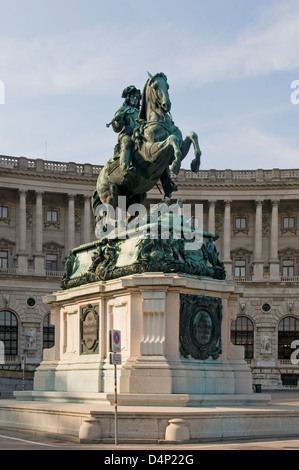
x=191 y=138
x=195 y=164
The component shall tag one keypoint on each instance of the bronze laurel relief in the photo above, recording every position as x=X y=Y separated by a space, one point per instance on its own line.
x=200 y=326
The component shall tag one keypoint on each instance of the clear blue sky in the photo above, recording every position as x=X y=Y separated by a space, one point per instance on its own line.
x=230 y=64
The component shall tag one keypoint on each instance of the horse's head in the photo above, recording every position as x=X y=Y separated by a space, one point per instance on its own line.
x=159 y=86
x=155 y=95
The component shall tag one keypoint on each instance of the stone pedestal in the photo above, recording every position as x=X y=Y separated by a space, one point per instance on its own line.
x=175 y=337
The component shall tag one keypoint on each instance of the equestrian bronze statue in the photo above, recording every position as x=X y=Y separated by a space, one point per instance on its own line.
x=150 y=147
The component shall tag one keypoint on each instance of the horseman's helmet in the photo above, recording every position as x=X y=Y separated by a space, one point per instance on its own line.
x=129 y=90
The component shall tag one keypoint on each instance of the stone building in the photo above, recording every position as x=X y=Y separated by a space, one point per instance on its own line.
x=45 y=211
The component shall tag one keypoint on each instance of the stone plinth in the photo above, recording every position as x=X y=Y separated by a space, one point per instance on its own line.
x=155 y=313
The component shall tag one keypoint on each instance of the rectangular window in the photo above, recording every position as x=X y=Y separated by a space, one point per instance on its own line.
x=3 y=259
x=51 y=262
x=288 y=222
x=52 y=216
x=240 y=268
x=288 y=268
x=3 y=212
x=240 y=223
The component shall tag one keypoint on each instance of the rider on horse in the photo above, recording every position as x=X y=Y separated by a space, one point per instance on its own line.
x=126 y=122
x=123 y=123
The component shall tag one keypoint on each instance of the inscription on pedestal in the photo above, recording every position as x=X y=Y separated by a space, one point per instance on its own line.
x=89 y=330
x=200 y=326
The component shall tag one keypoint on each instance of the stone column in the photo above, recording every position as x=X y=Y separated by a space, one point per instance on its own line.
x=274 y=260
x=71 y=224
x=86 y=233
x=227 y=239
x=22 y=254
x=211 y=226
x=39 y=257
x=258 y=273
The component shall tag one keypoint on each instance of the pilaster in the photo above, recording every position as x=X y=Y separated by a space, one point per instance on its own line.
x=274 y=260
x=86 y=233
x=22 y=254
x=258 y=273
x=71 y=223
x=39 y=257
x=211 y=227
x=227 y=239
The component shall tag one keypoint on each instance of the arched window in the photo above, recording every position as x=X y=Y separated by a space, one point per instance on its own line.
x=242 y=335
x=288 y=331
x=48 y=333
x=9 y=332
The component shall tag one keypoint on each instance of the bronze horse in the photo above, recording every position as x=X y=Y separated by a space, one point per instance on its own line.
x=158 y=145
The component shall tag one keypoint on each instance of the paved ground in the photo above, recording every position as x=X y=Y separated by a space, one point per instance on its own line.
x=148 y=453
x=152 y=454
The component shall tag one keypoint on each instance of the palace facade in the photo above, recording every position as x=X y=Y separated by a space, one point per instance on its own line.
x=45 y=211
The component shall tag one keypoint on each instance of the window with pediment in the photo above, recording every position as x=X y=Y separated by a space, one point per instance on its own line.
x=7 y=248
x=53 y=256
x=289 y=259
x=242 y=260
